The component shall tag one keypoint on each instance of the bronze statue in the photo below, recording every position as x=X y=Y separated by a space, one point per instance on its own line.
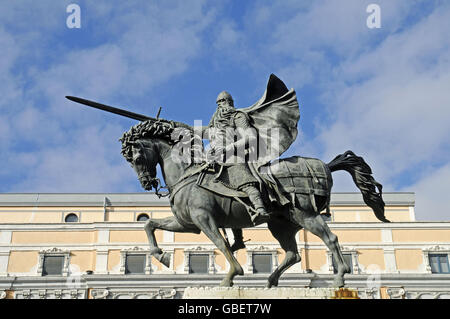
x=212 y=193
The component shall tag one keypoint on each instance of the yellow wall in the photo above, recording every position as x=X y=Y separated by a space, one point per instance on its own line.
x=353 y=236
x=398 y=215
x=418 y=235
x=119 y=215
x=91 y=217
x=281 y=255
x=54 y=214
x=57 y=237
x=315 y=259
x=367 y=257
x=346 y=236
x=241 y=256
x=113 y=259
x=408 y=259
x=365 y=214
x=155 y=262
x=344 y=216
x=22 y=261
x=85 y=260
x=258 y=235
x=220 y=259
x=191 y=238
x=15 y=214
x=178 y=258
x=131 y=236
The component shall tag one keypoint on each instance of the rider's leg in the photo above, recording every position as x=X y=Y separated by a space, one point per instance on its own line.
x=255 y=198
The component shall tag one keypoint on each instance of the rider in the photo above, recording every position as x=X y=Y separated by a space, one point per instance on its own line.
x=238 y=176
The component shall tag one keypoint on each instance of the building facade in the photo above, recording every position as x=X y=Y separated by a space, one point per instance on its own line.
x=94 y=246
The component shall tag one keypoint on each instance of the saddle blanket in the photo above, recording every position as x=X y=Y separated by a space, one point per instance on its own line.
x=293 y=175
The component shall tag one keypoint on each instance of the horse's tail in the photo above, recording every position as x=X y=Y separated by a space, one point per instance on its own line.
x=361 y=174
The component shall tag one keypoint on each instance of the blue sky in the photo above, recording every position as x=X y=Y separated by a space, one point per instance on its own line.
x=383 y=93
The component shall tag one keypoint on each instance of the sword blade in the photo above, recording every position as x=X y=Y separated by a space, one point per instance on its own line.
x=110 y=109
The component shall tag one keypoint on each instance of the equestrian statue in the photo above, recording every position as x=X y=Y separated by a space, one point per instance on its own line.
x=240 y=180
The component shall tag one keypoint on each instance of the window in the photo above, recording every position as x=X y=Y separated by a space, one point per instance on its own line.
x=142 y=217
x=439 y=263
x=198 y=263
x=261 y=259
x=53 y=262
x=71 y=218
x=135 y=264
x=135 y=261
x=348 y=261
x=53 y=265
x=262 y=263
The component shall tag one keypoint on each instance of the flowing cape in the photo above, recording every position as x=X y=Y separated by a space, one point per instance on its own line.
x=275 y=117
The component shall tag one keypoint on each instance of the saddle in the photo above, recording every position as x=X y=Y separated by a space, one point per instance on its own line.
x=286 y=181
x=208 y=179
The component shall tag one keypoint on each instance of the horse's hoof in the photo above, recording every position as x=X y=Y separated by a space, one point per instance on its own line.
x=271 y=283
x=165 y=259
x=226 y=283
x=338 y=283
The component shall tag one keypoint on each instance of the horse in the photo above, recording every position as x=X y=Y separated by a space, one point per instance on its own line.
x=196 y=209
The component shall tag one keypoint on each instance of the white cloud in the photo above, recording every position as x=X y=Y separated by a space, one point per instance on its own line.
x=83 y=164
x=384 y=93
x=432 y=200
x=49 y=145
x=399 y=115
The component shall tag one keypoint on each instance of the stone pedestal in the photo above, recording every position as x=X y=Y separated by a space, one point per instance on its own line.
x=268 y=293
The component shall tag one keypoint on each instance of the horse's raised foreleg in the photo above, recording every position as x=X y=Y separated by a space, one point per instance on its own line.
x=315 y=224
x=169 y=224
x=284 y=231
x=206 y=223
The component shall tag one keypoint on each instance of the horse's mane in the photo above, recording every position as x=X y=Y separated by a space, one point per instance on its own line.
x=165 y=130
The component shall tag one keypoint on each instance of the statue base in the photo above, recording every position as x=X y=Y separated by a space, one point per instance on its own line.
x=268 y=293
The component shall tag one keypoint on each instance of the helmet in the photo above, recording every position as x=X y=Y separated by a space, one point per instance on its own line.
x=224 y=95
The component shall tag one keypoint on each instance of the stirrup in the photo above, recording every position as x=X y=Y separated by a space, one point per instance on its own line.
x=259 y=218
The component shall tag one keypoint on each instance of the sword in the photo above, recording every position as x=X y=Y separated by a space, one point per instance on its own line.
x=111 y=109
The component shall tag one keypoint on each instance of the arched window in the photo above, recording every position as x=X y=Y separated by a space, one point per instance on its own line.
x=71 y=218
x=142 y=217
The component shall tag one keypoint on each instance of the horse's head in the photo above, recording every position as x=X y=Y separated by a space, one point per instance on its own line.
x=146 y=143
x=139 y=149
x=144 y=159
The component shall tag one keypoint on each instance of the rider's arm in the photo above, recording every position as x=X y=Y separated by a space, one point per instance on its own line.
x=242 y=123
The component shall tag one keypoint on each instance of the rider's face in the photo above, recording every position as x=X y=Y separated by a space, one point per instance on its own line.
x=224 y=103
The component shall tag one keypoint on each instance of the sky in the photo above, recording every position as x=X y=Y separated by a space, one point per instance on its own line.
x=383 y=93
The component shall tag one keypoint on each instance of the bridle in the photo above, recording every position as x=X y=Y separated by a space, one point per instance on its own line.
x=153 y=180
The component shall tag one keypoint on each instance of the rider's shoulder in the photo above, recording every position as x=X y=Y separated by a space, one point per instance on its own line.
x=239 y=115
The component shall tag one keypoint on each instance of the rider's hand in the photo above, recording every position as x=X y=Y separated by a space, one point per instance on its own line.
x=213 y=155
x=209 y=157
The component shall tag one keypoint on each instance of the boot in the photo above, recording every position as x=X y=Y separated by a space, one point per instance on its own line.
x=261 y=216
x=254 y=195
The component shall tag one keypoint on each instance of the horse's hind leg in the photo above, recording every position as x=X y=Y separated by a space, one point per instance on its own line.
x=315 y=224
x=284 y=231
x=169 y=224
x=204 y=221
